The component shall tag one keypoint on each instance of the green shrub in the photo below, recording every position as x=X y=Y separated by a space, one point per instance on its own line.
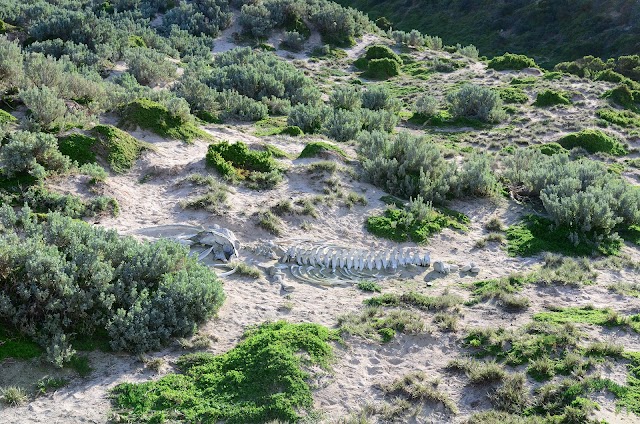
x=550 y=148
x=551 y=98
x=415 y=223
x=513 y=95
x=316 y=148
x=42 y=200
x=153 y=116
x=6 y=117
x=78 y=147
x=141 y=294
x=509 y=61
x=369 y=286
x=45 y=106
x=292 y=131
x=381 y=52
x=624 y=118
x=593 y=141
x=272 y=385
x=122 y=149
x=625 y=97
x=345 y=97
x=237 y=106
x=476 y=102
x=382 y=69
x=379 y=97
x=240 y=157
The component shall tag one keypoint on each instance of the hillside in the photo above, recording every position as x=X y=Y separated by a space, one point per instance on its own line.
x=549 y=31
x=266 y=212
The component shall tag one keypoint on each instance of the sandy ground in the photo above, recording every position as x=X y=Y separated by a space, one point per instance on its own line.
x=150 y=195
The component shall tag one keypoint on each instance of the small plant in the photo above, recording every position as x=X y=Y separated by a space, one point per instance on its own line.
x=13 y=396
x=548 y=98
x=369 y=286
x=593 y=141
x=80 y=364
x=155 y=364
x=47 y=384
x=320 y=148
x=509 y=61
x=495 y=224
x=270 y=222
x=446 y=321
x=243 y=268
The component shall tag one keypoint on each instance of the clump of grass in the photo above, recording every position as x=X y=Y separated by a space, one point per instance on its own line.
x=558 y=269
x=513 y=95
x=155 y=364
x=122 y=149
x=199 y=341
x=272 y=385
x=381 y=324
x=503 y=290
x=214 y=198
x=512 y=396
x=495 y=224
x=415 y=299
x=607 y=348
x=13 y=396
x=369 y=286
x=327 y=166
x=584 y=315
x=270 y=222
x=478 y=372
x=80 y=363
x=490 y=238
x=415 y=387
x=153 y=116
x=354 y=198
x=446 y=321
x=243 y=268
x=320 y=148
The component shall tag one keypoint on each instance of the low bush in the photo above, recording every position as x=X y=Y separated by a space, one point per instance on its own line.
x=309 y=118
x=415 y=223
x=624 y=118
x=381 y=69
x=593 y=141
x=476 y=102
x=263 y=378
x=153 y=116
x=33 y=154
x=550 y=149
x=510 y=61
x=548 y=98
x=140 y=294
x=426 y=106
x=237 y=161
x=513 y=95
x=149 y=67
x=342 y=125
x=345 y=97
x=42 y=200
x=78 y=147
x=379 y=97
x=317 y=148
x=121 y=148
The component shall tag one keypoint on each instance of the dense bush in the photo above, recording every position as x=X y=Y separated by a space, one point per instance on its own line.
x=138 y=294
x=122 y=149
x=293 y=41
x=235 y=105
x=78 y=147
x=265 y=378
x=255 y=20
x=378 y=120
x=309 y=118
x=11 y=68
x=35 y=154
x=382 y=69
x=317 y=148
x=338 y=25
x=416 y=222
x=260 y=74
x=153 y=116
x=593 y=141
x=513 y=95
x=509 y=61
x=346 y=97
x=405 y=165
x=42 y=200
x=149 y=66
x=476 y=177
x=551 y=98
x=381 y=52
x=44 y=105
x=342 y=125
x=625 y=97
x=476 y=102
x=624 y=118
x=581 y=196
x=378 y=97
x=426 y=105
x=236 y=161
x=200 y=17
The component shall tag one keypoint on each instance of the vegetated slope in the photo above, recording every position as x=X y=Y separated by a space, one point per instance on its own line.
x=550 y=31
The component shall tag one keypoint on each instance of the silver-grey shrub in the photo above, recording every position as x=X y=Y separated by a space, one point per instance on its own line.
x=378 y=97
x=406 y=165
x=149 y=67
x=45 y=106
x=476 y=177
x=345 y=97
x=342 y=125
x=426 y=105
x=476 y=102
x=62 y=277
x=35 y=154
x=581 y=195
x=309 y=118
